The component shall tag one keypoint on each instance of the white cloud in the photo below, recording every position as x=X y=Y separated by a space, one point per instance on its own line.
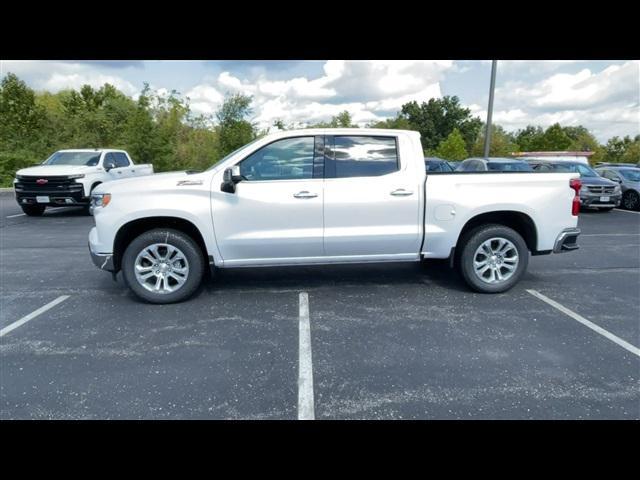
x=369 y=90
x=607 y=101
x=59 y=81
x=55 y=76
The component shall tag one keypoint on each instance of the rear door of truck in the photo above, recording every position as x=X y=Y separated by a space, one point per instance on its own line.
x=372 y=197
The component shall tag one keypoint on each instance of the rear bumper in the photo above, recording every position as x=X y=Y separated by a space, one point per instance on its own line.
x=567 y=241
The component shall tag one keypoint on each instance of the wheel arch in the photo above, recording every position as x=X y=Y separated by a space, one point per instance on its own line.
x=518 y=221
x=131 y=230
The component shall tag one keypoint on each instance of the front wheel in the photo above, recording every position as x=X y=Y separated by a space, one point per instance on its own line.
x=33 y=210
x=493 y=258
x=631 y=200
x=163 y=266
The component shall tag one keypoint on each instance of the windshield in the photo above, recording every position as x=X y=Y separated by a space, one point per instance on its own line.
x=438 y=166
x=583 y=170
x=89 y=159
x=509 y=167
x=233 y=153
x=631 y=175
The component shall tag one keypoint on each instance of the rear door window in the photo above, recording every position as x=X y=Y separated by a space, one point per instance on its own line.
x=360 y=156
x=120 y=159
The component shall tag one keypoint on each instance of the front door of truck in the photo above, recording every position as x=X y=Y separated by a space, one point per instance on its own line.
x=275 y=214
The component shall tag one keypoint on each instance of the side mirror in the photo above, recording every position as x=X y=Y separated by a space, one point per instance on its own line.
x=230 y=177
x=108 y=166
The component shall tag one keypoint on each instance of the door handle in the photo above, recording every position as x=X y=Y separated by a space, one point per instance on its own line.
x=305 y=194
x=401 y=192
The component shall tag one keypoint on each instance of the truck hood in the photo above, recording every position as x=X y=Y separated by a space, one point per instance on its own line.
x=605 y=182
x=47 y=170
x=157 y=181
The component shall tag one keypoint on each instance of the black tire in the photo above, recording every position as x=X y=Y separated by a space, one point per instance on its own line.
x=175 y=238
x=33 y=210
x=631 y=200
x=472 y=241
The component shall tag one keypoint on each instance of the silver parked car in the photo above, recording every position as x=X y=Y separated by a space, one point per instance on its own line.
x=493 y=164
x=629 y=180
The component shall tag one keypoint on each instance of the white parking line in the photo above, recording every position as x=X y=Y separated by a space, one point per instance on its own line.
x=305 y=372
x=610 y=234
x=32 y=315
x=628 y=211
x=587 y=323
x=16 y=215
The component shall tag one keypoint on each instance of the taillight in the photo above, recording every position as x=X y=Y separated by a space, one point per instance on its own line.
x=575 y=184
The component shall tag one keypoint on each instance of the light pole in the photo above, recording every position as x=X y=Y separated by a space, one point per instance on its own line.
x=487 y=134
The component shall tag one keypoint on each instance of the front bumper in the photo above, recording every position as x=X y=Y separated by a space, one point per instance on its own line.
x=56 y=199
x=567 y=241
x=593 y=201
x=104 y=261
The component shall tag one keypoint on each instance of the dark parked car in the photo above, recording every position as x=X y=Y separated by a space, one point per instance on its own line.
x=435 y=164
x=493 y=165
x=596 y=191
x=629 y=180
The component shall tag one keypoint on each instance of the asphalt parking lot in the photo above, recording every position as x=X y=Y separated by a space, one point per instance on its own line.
x=391 y=341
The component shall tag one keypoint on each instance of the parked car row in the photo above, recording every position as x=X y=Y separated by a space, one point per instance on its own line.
x=608 y=186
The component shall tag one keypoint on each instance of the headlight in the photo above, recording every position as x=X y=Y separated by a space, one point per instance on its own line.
x=617 y=189
x=100 y=199
x=77 y=175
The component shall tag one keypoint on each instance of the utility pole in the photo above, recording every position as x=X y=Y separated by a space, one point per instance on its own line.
x=487 y=134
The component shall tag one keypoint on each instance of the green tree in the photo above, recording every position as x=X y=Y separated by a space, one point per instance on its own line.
x=342 y=120
x=503 y=143
x=142 y=139
x=622 y=149
x=234 y=130
x=453 y=147
x=397 y=123
x=555 y=139
x=529 y=139
x=436 y=119
x=20 y=116
x=632 y=152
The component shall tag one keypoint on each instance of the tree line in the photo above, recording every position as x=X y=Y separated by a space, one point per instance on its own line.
x=163 y=130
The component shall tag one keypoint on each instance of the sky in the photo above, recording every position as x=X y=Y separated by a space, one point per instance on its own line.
x=603 y=96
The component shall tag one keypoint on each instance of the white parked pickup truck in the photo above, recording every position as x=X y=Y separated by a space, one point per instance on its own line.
x=323 y=196
x=67 y=178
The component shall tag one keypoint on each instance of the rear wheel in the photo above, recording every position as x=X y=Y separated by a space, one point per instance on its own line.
x=631 y=200
x=33 y=210
x=493 y=258
x=163 y=266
